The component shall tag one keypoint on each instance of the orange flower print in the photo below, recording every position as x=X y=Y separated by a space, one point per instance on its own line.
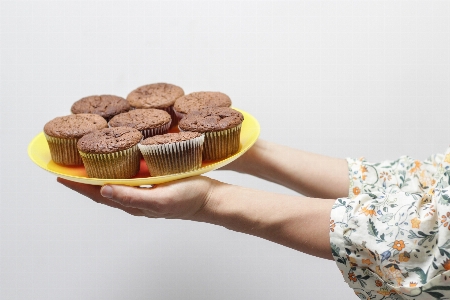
x=416 y=167
x=404 y=256
x=426 y=198
x=352 y=261
x=447 y=158
x=431 y=209
x=356 y=191
x=386 y=292
x=446 y=264
x=446 y=220
x=332 y=225
x=385 y=176
x=352 y=276
x=394 y=273
x=415 y=223
x=378 y=283
x=367 y=261
x=399 y=245
x=363 y=171
x=426 y=180
x=412 y=284
x=378 y=271
x=369 y=212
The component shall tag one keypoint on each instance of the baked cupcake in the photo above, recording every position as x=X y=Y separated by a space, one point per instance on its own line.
x=106 y=106
x=149 y=122
x=156 y=95
x=222 y=129
x=199 y=100
x=63 y=133
x=172 y=153
x=111 y=152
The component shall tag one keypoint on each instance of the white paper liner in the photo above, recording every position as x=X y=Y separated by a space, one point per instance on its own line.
x=120 y=164
x=178 y=157
x=221 y=144
x=157 y=130
x=64 y=151
x=154 y=131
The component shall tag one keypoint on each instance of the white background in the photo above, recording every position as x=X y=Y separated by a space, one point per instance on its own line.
x=341 y=78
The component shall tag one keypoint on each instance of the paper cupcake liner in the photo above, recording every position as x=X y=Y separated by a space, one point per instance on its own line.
x=173 y=158
x=172 y=114
x=221 y=144
x=120 y=164
x=157 y=130
x=64 y=151
x=179 y=115
x=154 y=131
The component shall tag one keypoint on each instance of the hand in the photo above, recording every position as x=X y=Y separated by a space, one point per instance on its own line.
x=180 y=199
x=297 y=222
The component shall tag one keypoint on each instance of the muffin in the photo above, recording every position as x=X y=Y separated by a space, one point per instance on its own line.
x=222 y=129
x=199 y=100
x=172 y=153
x=106 y=106
x=156 y=95
x=149 y=122
x=111 y=152
x=63 y=133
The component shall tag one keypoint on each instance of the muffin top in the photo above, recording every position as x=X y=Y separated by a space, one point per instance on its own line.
x=106 y=106
x=74 y=126
x=169 y=138
x=109 y=140
x=211 y=119
x=199 y=100
x=141 y=119
x=155 y=95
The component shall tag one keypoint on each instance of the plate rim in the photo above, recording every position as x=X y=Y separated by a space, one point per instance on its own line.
x=157 y=179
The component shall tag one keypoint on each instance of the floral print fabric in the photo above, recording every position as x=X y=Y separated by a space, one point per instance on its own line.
x=391 y=237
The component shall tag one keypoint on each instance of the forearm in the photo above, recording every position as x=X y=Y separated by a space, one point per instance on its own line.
x=310 y=174
x=297 y=222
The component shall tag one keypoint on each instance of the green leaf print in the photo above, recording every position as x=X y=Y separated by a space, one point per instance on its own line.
x=446 y=244
x=373 y=196
x=372 y=229
x=412 y=235
x=446 y=199
x=436 y=295
x=335 y=249
x=386 y=218
x=420 y=272
x=437 y=287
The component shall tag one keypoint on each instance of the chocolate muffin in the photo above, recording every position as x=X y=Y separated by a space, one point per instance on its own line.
x=172 y=153
x=106 y=106
x=156 y=95
x=222 y=129
x=199 y=100
x=111 y=152
x=63 y=133
x=149 y=122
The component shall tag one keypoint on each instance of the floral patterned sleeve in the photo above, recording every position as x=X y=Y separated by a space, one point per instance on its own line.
x=405 y=173
x=391 y=237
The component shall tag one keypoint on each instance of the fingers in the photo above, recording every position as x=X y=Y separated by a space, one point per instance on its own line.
x=127 y=196
x=93 y=192
x=90 y=191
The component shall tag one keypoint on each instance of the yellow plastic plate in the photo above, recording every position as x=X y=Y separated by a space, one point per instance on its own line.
x=40 y=154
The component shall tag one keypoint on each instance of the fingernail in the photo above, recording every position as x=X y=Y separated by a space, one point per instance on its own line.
x=106 y=191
